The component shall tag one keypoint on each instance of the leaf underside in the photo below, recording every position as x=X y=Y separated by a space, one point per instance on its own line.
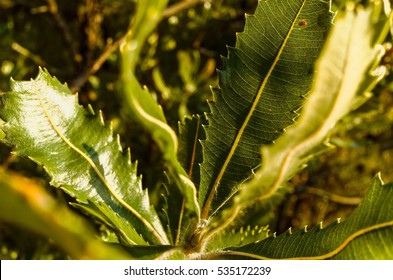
x=262 y=84
x=345 y=73
x=45 y=122
x=190 y=149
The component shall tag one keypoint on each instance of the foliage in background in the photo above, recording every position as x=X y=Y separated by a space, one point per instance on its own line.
x=178 y=68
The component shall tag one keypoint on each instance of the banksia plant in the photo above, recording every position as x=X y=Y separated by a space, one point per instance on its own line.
x=297 y=69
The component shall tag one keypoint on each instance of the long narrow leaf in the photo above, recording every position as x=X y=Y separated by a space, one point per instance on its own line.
x=366 y=234
x=263 y=83
x=141 y=105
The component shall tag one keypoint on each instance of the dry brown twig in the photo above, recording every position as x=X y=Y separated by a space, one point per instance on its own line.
x=53 y=9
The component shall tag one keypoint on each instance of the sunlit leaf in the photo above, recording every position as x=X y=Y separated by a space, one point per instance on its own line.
x=45 y=122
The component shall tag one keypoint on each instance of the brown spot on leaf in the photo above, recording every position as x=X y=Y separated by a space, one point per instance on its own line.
x=303 y=23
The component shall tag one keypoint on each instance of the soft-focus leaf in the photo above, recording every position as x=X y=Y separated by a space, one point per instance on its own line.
x=366 y=234
x=140 y=103
x=263 y=83
x=24 y=203
x=45 y=122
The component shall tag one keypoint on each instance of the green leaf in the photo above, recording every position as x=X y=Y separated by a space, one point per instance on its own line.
x=236 y=237
x=366 y=234
x=345 y=69
x=140 y=104
x=190 y=149
x=158 y=252
x=349 y=59
x=263 y=83
x=45 y=122
x=145 y=20
x=25 y=203
x=190 y=156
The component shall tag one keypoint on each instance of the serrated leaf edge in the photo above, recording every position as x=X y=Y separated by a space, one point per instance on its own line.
x=329 y=255
x=96 y=169
x=207 y=205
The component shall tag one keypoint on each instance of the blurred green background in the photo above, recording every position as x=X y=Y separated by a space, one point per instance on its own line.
x=77 y=41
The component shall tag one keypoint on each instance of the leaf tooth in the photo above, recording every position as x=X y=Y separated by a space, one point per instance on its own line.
x=117 y=139
x=274 y=234
x=297 y=112
x=321 y=225
x=208 y=115
x=128 y=156
x=101 y=118
x=90 y=109
x=216 y=91
x=290 y=230
x=335 y=222
x=305 y=228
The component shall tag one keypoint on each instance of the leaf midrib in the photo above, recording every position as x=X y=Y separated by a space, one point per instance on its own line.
x=190 y=170
x=328 y=255
x=316 y=134
x=99 y=174
x=206 y=207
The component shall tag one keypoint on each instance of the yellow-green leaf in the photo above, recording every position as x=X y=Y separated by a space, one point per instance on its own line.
x=25 y=203
x=44 y=122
